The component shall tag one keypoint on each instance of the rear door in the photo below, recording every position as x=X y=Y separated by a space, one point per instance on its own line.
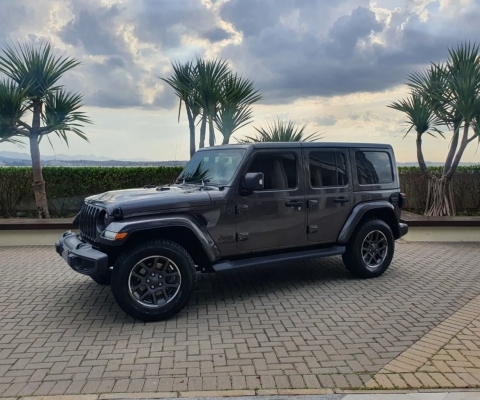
x=328 y=192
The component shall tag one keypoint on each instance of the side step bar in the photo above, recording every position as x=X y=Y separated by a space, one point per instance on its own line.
x=277 y=259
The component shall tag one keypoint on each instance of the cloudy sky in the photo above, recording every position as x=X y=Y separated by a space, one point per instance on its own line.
x=335 y=64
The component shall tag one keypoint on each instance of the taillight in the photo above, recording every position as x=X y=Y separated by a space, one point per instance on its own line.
x=402 y=200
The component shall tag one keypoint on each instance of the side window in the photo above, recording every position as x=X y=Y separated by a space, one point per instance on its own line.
x=328 y=168
x=373 y=167
x=279 y=170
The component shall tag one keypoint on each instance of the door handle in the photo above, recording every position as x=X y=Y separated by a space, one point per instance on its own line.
x=341 y=199
x=294 y=204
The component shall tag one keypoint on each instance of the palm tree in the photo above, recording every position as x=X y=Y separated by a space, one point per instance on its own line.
x=184 y=82
x=279 y=130
x=234 y=110
x=211 y=74
x=32 y=87
x=446 y=95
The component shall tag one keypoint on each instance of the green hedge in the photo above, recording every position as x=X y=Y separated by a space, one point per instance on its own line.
x=68 y=186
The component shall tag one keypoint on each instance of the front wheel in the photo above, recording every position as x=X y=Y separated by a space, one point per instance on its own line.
x=370 y=250
x=154 y=281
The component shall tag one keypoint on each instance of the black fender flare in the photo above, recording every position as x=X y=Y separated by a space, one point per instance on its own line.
x=357 y=214
x=142 y=224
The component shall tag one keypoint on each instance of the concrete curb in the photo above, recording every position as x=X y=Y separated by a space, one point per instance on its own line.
x=233 y=393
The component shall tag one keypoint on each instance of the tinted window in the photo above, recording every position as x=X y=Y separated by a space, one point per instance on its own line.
x=328 y=168
x=279 y=170
x=373 y=167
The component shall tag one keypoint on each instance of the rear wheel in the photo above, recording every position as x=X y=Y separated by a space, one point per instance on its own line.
x=370 y=250
x=154 y=281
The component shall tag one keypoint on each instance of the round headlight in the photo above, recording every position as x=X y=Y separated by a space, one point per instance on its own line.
x=102 y=221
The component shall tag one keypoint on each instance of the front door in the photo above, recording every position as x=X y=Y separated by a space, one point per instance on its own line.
x=328 y=192
x=274 y=217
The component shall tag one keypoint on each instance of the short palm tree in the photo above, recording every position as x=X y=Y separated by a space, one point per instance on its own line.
x=31 y=86
x=279 y=130
x=184 y=82
x=446 y=95
x=235 y=105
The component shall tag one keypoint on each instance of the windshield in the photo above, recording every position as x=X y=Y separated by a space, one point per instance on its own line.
x=214 y=166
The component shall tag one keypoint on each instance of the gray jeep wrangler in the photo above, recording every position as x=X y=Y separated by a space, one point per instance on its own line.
x=236 y=207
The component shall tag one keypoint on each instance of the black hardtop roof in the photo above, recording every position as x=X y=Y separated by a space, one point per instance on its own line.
x=286 y=145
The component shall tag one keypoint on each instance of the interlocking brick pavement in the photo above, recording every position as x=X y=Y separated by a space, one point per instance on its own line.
x=307 y=325
x=447 y=356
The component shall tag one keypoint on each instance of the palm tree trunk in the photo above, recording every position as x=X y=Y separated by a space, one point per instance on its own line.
x=211 y=138
x=191 y=125
x=38 y=182
x=421 y=160
x=203 y=128
x=441 y=202
x=226 y=136
x=458 y=156
x=453 y=148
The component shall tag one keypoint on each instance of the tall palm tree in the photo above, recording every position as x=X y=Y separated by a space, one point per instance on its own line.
x=184 y=82
x=279 y=130
x=211 y=74
x=446 y=95
x=234 y=110
x=32 y=87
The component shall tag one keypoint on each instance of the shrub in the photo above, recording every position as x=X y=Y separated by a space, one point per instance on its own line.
x=68 y=186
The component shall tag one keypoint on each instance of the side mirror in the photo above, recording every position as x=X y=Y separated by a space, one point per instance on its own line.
x=254 y=181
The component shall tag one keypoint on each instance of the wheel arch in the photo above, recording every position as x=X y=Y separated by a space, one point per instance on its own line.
x=382 y=210
x=183 y=230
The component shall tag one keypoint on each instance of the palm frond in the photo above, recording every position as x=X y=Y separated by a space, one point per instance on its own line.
x=35 y=69
x=12 y=107
x=279 y=130
x=183 y=81
x=419 y=112
x=210 y=76
x=62 y=116
x=234 y=110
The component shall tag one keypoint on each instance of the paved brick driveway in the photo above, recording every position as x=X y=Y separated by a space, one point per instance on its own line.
x=308 y=325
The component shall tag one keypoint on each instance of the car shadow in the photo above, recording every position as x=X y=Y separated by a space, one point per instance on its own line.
x=221 y=290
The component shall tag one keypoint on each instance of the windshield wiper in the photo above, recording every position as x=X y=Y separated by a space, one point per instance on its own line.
x=193 y=180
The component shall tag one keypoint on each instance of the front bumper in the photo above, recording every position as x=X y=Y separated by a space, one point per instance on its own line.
x=81 y=256
x=402 y=229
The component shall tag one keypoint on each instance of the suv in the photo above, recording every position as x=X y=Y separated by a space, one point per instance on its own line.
x=235 y=207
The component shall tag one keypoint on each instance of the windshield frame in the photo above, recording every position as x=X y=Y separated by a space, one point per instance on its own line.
x=242 y=152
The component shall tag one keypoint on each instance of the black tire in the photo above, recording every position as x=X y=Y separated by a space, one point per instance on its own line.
x=130 y=265
x=379 y=261
x=104 y=279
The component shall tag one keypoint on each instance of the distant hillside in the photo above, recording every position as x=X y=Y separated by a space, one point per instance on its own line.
x=15 y=159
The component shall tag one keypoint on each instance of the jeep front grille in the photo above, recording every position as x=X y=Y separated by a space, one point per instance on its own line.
x=88 y=221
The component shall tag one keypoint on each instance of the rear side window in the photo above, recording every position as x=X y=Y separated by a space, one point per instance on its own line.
x=328 y=168
x=373 y=167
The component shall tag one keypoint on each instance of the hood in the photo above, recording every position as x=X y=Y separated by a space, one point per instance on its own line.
x=142 y=201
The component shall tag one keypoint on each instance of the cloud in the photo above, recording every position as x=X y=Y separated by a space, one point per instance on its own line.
x=164 y=23
x=357 y=49
x=327 y=120
x=216 y=35
x=92 y=29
